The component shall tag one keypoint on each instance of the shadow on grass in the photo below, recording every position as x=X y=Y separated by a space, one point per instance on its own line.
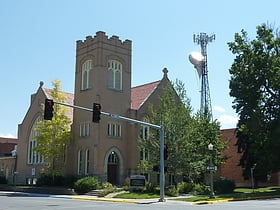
x=240 y=194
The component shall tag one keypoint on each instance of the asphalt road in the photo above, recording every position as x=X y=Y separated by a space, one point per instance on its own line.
x=22 y=202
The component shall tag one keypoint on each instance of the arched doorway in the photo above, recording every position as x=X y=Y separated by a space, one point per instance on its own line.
x=113 y=168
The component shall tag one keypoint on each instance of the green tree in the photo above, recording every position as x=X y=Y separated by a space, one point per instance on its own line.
x=204 y=132
x=255 y=86
x=186 y=136
x=54 y=135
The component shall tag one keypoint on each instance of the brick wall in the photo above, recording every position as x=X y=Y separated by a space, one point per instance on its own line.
x=231 y=169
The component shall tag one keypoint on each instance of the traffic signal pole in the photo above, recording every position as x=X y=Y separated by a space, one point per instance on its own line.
x=161 y=139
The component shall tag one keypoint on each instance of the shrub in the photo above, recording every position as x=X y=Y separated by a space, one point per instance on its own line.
x=199 y=189
x=184 y=187
x=126 y=184
x=150 y=187
x=106 y=188
x=171 y=191
x=50 y=180
x=70 y=180
x=57 y=180
x=3 y=180
x=224 y=186
x=105 y=185
x=86 y=184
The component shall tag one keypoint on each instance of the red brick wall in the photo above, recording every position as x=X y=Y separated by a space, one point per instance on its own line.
x=231 y=169
x=7 y=145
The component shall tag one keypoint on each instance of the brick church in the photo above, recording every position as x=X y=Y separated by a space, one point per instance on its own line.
x=107 y=149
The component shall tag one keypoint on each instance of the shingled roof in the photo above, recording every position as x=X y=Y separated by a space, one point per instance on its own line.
x=69 y=100
x=69 y=96
x=141 y=93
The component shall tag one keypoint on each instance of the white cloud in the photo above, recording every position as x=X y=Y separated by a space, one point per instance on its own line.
x=228 y=121
x=7 y=135
x=219 y=109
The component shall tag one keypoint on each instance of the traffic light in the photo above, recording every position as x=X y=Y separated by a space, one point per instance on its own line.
x=96 y=112
x=165 y=155
x=48 y=112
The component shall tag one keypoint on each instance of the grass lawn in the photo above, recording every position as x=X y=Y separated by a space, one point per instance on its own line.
x=137 y=195
x=239 y=194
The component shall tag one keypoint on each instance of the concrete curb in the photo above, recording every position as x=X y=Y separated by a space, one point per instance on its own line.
x=210 y=202
x=105 y=199
x=118 y=200
x=235 y=199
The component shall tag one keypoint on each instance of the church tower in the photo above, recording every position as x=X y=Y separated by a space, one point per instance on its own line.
x=102 y=75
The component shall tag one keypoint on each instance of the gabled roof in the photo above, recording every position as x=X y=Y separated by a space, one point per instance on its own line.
x=69 y=100
x=69 y=96
x=141 y=93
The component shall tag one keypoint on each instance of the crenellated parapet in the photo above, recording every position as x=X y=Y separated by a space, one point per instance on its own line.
x=102 y=37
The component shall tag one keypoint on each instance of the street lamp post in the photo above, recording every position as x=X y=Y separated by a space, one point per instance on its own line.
x=211 y=169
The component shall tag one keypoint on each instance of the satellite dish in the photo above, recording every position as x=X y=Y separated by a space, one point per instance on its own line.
x=197 y=59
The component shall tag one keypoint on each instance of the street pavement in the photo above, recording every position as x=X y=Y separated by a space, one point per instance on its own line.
x=93 y=198
x=110 y=198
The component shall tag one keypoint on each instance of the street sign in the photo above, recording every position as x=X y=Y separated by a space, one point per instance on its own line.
x=211 y=168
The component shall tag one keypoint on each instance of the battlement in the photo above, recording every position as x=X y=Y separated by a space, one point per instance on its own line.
x=102 y=37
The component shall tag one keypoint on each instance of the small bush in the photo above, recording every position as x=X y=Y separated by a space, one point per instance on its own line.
x=150 y=187
x=105 y=185
x=86 y=184
x=104 y=192
x=105 y=189
x=184 y=187
x=70 y=180
x=199 y=189
x=57 y=180
x=3 y=180
x=224 y=186
x=50 y=180
x=171 y=191
x=126 y=184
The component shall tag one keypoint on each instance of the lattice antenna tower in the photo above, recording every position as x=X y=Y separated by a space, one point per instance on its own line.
x=203 y=39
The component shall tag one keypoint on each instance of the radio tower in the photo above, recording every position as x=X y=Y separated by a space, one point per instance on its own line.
x=203 y=39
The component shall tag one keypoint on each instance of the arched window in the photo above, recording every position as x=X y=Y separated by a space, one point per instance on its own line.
x=113 y=158
x=115 y=74
x=33 y=156
x=87 y=75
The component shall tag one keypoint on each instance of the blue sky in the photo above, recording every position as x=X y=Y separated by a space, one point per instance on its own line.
x=38 y=39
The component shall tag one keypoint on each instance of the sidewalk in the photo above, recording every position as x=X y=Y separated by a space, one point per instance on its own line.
x=111 y=199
